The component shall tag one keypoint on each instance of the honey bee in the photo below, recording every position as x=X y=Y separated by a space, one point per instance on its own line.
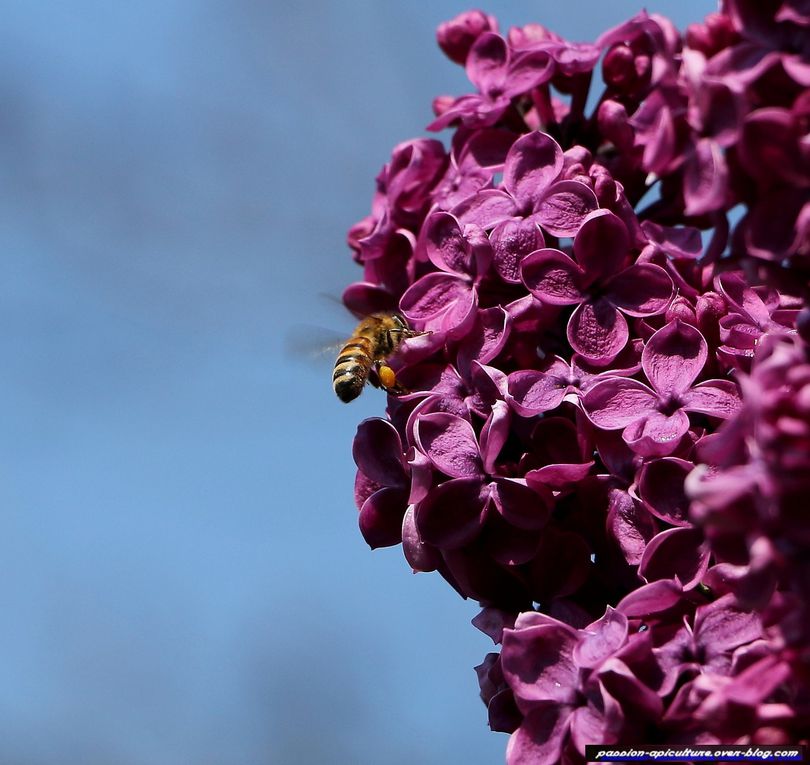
x=373 y=341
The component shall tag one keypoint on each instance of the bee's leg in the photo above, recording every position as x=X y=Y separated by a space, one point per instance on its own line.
x=405 y=334
x=388 y=379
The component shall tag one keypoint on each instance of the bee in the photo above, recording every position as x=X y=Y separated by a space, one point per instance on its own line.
x=374 y=339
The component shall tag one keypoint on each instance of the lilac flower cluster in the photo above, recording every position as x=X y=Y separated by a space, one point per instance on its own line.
x=606 y=435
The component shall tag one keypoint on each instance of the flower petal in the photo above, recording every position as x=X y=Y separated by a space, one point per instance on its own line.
x=679 y=554
x=618 y=401
x=601 y=245
x=512 y=240
x=452 y=515
x=636 y=697
x=432 y=295
x=421 y=475
x=597 y=331
x=381 y=517
x=723 y=625
x=377 y=452
x=538 y=663
x=494 y=434
x=651 y=599
x=363 y=488
x=520 y=505
x=705 y=178
x=564 y=207
x=486 y=62
x=630 y=525
x=486 y=149
x=489 y=386
x=533 y=163
x=559 y=476
x=486 y=339
x=486 y=209
x=460 y=318
x=674 y=357
x=601 y=639
x=534 y=391
x=741 y=296
x=588 y=725
x=661 y=486
x=473 y=110
x=450 y=444
x=364 y=298
x=644 y=289
x=718 y=398
x=446 y=246
x=491 y=621
x=656 y=434
x=420 y=556
x=527 y=71
x=539 y=739
x=553 y=277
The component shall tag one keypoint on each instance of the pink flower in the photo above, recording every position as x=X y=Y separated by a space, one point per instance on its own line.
x=500 y=75
x=601 y=283
x=654 y=419
x=604 y=434
x=456 y=37
x=533 y=190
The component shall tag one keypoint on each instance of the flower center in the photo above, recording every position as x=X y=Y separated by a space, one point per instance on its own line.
x=669 y=404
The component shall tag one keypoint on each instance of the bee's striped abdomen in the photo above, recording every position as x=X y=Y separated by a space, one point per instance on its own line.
x=352 y=367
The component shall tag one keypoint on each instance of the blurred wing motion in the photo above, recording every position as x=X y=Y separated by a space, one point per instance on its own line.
x=312 y=344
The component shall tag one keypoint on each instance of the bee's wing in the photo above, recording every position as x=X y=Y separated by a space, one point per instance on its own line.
x=313 y=344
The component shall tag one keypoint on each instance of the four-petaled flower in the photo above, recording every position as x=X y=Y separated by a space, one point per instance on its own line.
x=602 y=284
x=454 y=513
x=500 y=75
x=655 y=418
x=533 y=191
x=446 y=300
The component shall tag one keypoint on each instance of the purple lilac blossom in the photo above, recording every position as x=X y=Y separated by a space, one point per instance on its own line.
x=604 y=437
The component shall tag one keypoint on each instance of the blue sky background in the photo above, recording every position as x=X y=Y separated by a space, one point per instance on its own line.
x=181 y=577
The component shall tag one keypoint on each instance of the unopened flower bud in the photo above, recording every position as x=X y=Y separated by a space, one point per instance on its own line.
x=456 y=37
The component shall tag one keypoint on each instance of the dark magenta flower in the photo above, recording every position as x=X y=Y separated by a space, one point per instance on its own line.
x=654 y=419
x=601 y=282
x=752 y=314
x=457 y=36
x=503 y=714
x=573 y=686
x=707 y=646
x=499 y=75
x=640 y=54
x=382 y=484
x=474 y=160
x=454 y=513
x=604 y=434
x=629 y=522
x=533 y=190
x=446 y=300
x=512 y=240
x=533 y=391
